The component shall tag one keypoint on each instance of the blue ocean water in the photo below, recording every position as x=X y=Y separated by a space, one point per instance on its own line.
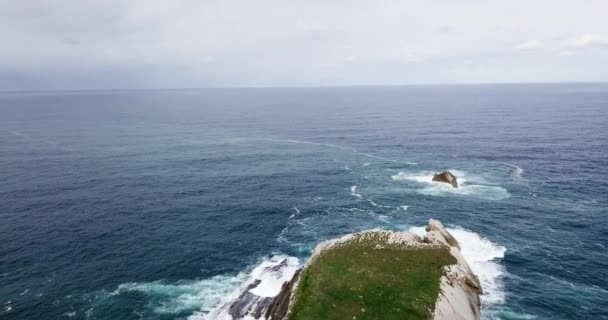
x=159 y=204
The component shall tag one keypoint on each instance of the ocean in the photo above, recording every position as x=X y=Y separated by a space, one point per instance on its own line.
x=161 y=204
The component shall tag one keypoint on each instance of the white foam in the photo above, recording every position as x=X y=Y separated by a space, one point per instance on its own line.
x=207 y=297
x=296 y=212
x=404 y=208
x=420 y=231
x=427 y=176
x=201 y=295
x=272 y=279
x=517 y=172
x=383 y=218
x=271 y=273
x=469 y=185
x=482 y=255
x=281 y=237
x=366 y=164
x=353 y=192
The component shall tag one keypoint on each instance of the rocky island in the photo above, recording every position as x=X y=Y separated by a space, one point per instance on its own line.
x=374 y=274
x=446 y=177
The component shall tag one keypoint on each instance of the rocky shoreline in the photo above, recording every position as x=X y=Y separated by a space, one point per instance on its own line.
x=458 y=294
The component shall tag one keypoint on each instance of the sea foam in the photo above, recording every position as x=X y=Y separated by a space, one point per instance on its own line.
x=469 y=185
x=269 y=275
x=212 y=298
x=209 y=298
x=483 y=257
x=353 y=192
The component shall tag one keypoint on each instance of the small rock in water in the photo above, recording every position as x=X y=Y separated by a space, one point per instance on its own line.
x=446 y=177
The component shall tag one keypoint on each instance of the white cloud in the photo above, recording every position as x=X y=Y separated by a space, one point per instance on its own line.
x=529 y=45
x=193 y=43
x=581 y=41
x=568 y=53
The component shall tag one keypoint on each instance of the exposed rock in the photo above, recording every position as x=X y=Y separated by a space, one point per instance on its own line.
x=435 y=225
x=257 y=299
x=249 y=304
x=446 y=177
x=459 y=287
x=280 y=306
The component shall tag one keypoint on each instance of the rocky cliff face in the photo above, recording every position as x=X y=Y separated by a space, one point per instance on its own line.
x=459 y=288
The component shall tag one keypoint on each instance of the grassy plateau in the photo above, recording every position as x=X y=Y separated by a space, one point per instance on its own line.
x=366 y=278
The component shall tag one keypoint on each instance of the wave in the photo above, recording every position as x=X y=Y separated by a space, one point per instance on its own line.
x=468 y=185
x=184 y=296
x=353 y=192
x=217 y=297
x=517 y=172
x=227 y=297
x=483 y=257
x=296 y=212
x=256 y=292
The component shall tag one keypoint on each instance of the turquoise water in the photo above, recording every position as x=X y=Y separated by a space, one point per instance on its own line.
x=160 y=204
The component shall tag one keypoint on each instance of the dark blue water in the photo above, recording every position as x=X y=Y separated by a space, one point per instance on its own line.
x=157 y=204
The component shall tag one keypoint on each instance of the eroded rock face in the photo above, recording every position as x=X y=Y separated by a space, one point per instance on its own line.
x=279 y=307
x=459 y=287
x=446 y=177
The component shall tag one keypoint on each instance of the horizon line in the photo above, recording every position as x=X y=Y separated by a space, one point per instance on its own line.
x=301 y=87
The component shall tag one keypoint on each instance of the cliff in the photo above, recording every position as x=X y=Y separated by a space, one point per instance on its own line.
x=434 y=260
x=374 y=274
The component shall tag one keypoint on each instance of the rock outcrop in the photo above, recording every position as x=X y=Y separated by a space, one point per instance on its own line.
x=446 y=177
x=459 y=287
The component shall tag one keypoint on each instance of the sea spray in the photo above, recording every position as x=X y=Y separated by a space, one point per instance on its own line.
x=256 y=290
x=482 y=255
x=469 y=185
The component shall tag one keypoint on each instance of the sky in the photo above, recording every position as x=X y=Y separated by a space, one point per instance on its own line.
x=117 y=44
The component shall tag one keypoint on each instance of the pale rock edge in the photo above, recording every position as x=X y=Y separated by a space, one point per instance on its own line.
x=459 y=289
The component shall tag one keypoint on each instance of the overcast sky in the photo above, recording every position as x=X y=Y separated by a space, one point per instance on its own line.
x=76 y=44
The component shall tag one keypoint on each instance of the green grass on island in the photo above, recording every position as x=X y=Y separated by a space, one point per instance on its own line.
x=358 y=280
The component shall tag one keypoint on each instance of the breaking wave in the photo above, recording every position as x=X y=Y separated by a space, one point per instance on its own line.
x=184 y=296
x=468 y=185
x=517 y=173
x=227 y=297
x=483 y=257
x=214 y=298
x=353 y=192
x=255 y=293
